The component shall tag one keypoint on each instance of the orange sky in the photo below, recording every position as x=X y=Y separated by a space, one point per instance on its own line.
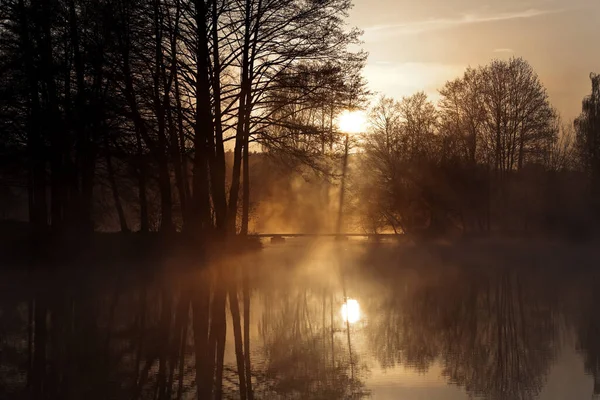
x=419 y=44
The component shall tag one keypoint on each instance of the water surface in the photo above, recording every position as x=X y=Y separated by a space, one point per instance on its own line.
x=504 y=320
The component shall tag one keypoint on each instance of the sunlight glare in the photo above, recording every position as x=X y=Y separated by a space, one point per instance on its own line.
x=351 y=311
x=352 y=122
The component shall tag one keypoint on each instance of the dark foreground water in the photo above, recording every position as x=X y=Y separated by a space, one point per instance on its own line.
x=504 y=320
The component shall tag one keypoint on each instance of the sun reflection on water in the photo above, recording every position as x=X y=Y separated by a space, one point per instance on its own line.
x=351 y=311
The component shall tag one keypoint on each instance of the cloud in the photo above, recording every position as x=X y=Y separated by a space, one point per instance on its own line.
x=404 y=79
x=504 y=51
x=416 y=27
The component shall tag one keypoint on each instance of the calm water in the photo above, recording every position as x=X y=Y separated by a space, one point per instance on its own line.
x=351 y=320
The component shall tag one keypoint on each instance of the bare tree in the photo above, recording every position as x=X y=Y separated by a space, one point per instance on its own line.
x=462 y=116
x=398 y=150
x=519 y=119
x=587 y=127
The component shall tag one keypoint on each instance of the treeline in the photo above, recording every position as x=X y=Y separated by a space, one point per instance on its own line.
x=146 y=112
x=493 y=155
x=134 y=103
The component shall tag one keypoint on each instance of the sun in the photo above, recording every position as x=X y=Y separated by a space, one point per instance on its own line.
x=352 y=122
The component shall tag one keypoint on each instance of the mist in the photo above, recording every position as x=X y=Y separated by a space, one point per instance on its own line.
x=209 y=200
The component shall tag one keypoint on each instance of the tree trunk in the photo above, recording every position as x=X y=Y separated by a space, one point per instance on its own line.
x=203 y=128
x=35 y=146
x=243 y=119
x=114 y=187
x=84 y=164
x=218 y=166
x=177 y=165
x=342 y=188
x=164 y=178
x=521 y=150
x=52 y=123
x=247 y=127
x=166 y=201
x=142 y=170
x=181 y=140
x=246 y=189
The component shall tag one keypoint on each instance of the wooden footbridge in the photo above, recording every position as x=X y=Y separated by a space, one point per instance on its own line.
x=280 y=237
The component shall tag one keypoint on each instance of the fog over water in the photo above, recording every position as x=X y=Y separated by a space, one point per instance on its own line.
x=329 y=319
x=299 y=199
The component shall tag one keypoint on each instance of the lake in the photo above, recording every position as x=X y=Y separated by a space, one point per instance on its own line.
x=503 y=319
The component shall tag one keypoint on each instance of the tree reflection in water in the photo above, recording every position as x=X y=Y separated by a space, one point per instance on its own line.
x=305 y=350
x=588 y=332
x=99 y=335
x=163 y=336
x=494 y=330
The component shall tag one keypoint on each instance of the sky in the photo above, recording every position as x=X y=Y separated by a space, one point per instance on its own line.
x=418 y=45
